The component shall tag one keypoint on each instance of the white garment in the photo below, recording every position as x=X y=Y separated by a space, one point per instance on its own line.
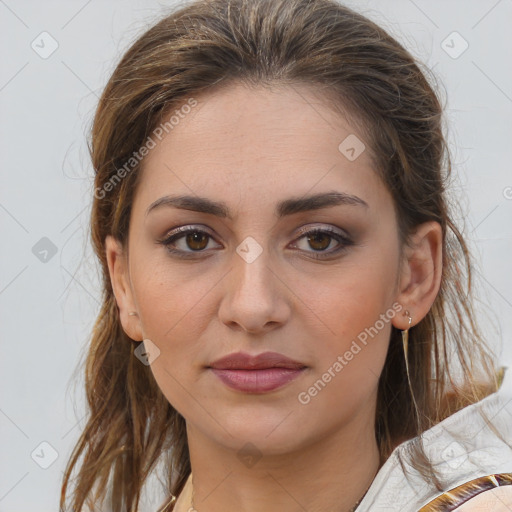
x=461 y=448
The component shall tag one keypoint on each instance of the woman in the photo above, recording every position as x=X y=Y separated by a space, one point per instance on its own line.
x=287 y=313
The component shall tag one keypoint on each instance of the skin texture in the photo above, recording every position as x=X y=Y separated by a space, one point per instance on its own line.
x=251 y=148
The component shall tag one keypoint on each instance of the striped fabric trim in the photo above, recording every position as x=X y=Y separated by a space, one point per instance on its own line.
x=445 y=502
x=454 y=498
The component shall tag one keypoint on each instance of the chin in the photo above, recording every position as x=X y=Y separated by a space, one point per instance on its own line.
x=268 y=435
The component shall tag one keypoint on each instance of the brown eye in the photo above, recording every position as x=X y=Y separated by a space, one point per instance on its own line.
x=185 y=241
x=324 y=243
x=319 y=241
x=197 y=240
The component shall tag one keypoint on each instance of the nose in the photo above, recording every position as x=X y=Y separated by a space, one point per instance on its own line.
x=254 y=300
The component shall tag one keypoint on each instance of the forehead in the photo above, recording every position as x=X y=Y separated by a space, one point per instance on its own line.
x=255 y=141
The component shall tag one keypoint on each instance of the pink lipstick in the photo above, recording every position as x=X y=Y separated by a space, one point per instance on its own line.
x=256 y=374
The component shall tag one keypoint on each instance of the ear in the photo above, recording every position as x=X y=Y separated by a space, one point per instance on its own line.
x=420 y=275
x=117 y=260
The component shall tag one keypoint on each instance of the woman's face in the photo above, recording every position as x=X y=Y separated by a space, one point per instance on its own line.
x=247 y=278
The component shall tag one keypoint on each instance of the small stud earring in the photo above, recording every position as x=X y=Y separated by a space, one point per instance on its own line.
x=132 y=313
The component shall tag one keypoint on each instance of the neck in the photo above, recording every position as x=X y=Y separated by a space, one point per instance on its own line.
x=330 y=474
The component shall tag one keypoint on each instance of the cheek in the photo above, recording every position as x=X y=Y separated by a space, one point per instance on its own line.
x=349 y=362
x=174 y=312
x=352 y=297
x=353 y=309
x=173 y=304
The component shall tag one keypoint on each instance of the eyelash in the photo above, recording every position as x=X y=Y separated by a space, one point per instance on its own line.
x=178 y=233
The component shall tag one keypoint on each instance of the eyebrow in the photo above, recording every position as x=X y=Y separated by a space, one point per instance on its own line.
x=283 y=208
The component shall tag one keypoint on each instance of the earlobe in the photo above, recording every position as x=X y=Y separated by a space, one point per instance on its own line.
x=420 y=277
x=119 y=277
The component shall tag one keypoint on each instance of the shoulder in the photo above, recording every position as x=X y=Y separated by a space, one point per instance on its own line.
x=497 y=500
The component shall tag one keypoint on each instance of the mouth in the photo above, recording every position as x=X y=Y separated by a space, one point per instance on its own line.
x=257 y=374
x=257 y=381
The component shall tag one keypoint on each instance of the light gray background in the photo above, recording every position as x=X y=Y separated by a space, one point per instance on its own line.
x=48 y=307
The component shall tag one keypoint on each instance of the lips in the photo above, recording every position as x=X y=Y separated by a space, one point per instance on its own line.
x=256 y=374
x=243 y=361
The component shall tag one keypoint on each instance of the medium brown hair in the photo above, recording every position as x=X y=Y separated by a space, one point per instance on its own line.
x=359 y=69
